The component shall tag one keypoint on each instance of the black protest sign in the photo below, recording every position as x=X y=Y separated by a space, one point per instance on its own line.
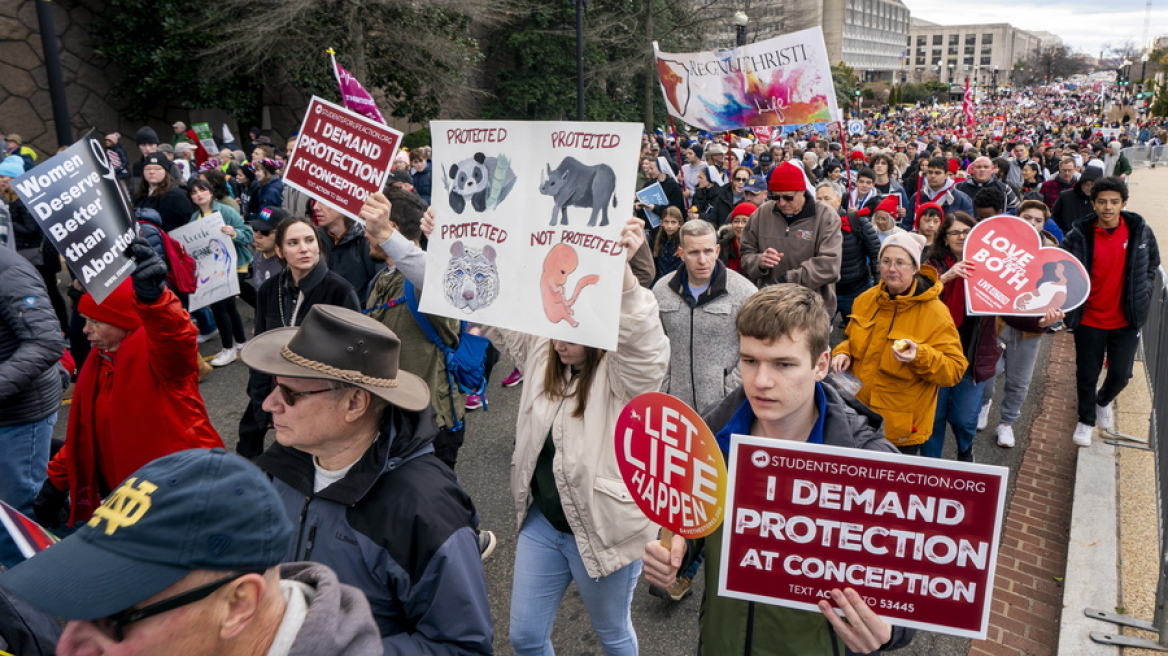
x=76 y=199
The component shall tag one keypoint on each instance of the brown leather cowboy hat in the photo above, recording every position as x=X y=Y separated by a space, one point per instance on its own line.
x=334 y=343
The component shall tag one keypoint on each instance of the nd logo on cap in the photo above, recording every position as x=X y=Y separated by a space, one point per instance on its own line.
x=125 y=506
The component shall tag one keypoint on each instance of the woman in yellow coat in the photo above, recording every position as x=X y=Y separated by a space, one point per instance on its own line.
x=901 y=344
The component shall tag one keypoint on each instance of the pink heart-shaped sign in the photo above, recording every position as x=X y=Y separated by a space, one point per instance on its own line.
x=1014 y=274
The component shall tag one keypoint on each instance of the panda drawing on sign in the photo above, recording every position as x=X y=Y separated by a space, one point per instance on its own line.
x=481 y=180
x=471 y=281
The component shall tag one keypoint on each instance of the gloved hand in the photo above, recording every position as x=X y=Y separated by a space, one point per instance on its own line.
x=150 y=274
x=51 y=506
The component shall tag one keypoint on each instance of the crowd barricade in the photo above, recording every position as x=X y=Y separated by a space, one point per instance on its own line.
x=1144 y=156
x=1154 y=344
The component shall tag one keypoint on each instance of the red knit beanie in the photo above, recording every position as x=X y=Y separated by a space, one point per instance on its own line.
x=118 y=309
x=889 y=204
x=743 y=209
x=787 y=177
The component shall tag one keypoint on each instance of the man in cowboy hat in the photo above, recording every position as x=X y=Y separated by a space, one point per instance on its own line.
x=354 y=463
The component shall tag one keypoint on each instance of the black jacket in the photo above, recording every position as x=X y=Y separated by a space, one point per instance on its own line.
x=24 y=226
x=1142 y=265
x=174 y=207
x=349 y=258
x=721 y=204
x=1071 y=207
x=860 y=251
x=276 y=307
x=31 y=381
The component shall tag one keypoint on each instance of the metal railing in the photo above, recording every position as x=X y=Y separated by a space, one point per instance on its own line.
x=1154 y=343
x=1145 y=156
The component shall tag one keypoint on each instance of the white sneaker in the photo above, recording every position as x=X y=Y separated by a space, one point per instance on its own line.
x=1005 y=436
x=209 y=336
x=239 y=346
x=983 y=417
x=1104 y=417
x=1083 y=434
x=225 y=357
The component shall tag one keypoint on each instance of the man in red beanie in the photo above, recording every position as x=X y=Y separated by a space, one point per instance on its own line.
x=793 y=238
x=137 y=397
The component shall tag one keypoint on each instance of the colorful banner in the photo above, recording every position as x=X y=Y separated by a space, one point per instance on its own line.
x=340 y=156
x=78 y=203
x=353 y=95
x=206 y=138
x=529 y=216
x=1014 y=274
x=916 y=537
x=781 y=81
x=671 y=464
x=214 y=252
x=967 y=105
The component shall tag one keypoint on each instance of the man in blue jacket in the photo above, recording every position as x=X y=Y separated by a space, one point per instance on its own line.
x=354 y=464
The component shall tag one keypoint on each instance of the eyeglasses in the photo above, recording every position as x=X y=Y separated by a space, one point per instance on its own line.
x=785 y=198
x=114 y=625
x=290 y=395
x=899 y=264
x=737 y=179
x=958 y=233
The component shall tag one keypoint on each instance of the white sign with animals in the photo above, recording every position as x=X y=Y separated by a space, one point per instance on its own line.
x=528 y=222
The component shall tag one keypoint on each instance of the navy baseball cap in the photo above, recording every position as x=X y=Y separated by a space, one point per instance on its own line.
x=755 y=184
x=201 y=509
x=269 y=219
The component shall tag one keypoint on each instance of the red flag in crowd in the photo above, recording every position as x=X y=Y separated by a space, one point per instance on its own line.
x=967 y=105
x=353 y=95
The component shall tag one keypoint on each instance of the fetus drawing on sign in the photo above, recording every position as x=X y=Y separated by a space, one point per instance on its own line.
x=560 y=263
x=472 y=279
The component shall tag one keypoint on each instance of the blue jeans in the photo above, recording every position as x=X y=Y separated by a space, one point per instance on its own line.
x=546 y=561
x=24 y=458
x=957 y=406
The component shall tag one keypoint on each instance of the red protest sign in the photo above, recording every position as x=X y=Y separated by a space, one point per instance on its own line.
x=341 y=156
x=1014 y=274
x=671 y=464
x=916 y=537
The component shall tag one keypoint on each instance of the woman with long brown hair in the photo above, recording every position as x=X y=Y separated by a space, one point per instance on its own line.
x=160 y=191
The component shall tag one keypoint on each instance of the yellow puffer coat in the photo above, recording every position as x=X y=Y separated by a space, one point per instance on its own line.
x=904 y=393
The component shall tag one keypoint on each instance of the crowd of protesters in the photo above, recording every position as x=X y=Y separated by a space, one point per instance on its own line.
x=840 y=255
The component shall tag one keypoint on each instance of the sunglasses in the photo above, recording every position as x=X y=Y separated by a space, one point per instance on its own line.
x=784 y=198
x=290 y=395
x=264 y=233
x=741 y=179
x=114 y=625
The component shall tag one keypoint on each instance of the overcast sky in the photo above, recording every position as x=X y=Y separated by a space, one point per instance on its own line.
x=1085 y=25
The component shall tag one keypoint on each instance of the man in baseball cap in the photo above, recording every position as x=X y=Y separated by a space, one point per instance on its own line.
x=354 y=461
x=183 y=559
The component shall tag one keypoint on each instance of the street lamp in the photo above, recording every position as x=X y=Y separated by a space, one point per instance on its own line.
x=1144 y=66
x=740 y=21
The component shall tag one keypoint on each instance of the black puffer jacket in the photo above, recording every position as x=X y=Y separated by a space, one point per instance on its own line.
x=24 y=226
x=31 y=381
x=1142 y=265
x=861 y=247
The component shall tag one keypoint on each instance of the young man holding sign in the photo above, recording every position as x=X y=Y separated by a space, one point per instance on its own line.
x=783 y=358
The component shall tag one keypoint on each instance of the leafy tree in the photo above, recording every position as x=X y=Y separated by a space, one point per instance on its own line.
x=845 y=80
x=158 y=55
x=914 y=92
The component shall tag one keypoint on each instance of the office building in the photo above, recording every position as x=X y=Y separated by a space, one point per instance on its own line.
x=984 y=53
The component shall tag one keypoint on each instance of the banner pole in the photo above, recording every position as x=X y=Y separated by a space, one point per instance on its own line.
x=677 y=151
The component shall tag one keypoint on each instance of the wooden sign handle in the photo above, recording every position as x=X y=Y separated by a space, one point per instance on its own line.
x=667 y=538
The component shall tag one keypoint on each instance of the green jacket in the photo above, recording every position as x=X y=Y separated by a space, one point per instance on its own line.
x=418 y=355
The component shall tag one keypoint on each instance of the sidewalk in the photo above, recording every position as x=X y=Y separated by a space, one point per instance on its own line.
x=1081 y=525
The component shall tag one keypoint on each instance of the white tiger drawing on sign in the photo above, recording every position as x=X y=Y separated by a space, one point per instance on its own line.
x=472 y=279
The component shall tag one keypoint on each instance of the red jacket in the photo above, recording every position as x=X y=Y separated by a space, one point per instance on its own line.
x=147 y=396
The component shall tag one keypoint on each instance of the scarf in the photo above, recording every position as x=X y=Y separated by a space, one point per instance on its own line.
x=949 y=184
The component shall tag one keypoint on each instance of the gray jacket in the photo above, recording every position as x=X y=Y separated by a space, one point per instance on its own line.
x=31 y=381
x=338 y=620
x=703 y=361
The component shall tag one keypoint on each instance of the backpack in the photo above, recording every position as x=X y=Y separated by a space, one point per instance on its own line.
x=181 y=267
x=465 y=363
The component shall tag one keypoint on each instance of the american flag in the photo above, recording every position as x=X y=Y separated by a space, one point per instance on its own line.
x=967 y=105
